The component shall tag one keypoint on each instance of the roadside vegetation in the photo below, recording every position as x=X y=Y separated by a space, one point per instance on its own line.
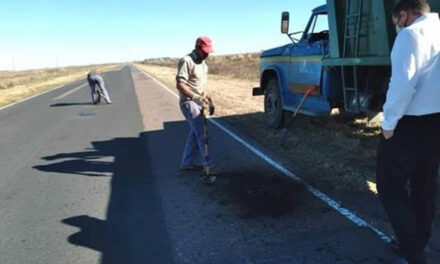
x=239 y=66
x=336 y=152
x=15 y=86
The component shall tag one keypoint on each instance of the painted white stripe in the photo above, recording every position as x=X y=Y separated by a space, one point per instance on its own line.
x=326 y=199
x=70 y=92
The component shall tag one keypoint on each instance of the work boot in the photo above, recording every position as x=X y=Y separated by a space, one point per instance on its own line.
x=207 y=179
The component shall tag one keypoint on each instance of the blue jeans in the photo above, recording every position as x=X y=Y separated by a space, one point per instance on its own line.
x=195 y=140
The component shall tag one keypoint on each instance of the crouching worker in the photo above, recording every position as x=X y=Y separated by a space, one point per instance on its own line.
x=97 y=87
x=191 y=82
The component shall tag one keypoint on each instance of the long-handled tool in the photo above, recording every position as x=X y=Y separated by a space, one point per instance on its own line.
x=206 y=177
x=284 y=132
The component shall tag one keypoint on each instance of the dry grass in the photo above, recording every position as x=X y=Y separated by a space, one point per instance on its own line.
x=239 y=66
x=231 y=95
x=15 y=86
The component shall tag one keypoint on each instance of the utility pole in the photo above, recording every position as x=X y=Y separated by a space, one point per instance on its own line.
x=13 y=65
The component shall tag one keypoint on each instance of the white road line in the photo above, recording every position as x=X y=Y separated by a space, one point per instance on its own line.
x=326 y=199
x=70 y=92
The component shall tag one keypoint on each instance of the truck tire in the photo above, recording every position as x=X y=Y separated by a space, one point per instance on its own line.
x=273 y=107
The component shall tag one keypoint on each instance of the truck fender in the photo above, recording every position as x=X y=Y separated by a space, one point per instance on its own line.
x=269 y=73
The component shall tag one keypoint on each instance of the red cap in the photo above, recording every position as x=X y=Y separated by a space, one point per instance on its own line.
x=205 y=44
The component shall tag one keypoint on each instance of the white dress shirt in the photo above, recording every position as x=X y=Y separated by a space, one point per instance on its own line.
x=414 y=87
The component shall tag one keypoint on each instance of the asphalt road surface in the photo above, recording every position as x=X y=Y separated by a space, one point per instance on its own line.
x=83 y=183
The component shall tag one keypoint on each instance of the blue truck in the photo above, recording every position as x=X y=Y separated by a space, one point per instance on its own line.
x=342 y=55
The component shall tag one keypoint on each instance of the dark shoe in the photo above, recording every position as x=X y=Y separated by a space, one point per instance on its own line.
x=208 y=179
x=191 y=167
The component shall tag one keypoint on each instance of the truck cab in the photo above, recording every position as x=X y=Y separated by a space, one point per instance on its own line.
x=288 y=71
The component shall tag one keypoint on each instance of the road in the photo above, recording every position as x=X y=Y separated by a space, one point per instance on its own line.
x=83 y=183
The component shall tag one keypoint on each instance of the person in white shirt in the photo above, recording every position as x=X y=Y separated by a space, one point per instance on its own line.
x=408 y=153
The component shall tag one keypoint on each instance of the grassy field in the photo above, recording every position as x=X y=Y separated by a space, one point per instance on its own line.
x=240 y=66
x=334 y=152
x=15 y=86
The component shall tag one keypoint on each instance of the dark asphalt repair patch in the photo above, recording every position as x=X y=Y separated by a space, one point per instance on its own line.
x=86 y=114
x=258 y=195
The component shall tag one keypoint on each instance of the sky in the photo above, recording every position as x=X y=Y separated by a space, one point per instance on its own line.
x=52 y=33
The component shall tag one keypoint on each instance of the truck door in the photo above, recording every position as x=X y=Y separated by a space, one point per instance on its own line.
x=306 y=57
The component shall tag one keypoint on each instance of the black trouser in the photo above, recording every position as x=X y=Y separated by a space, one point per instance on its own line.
x=407 y=169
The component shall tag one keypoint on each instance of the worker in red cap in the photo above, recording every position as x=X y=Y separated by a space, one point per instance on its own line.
x=191 y=82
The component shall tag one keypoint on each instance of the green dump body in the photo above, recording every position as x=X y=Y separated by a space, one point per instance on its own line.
x=361 y=37
x=362 y=40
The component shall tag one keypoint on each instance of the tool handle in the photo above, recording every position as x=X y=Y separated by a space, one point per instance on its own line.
x=307 y=93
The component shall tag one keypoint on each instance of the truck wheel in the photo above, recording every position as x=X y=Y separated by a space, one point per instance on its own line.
x=273 y=107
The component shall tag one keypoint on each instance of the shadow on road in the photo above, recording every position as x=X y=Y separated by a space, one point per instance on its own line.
x=70 y=104
x=134 y=229
x=93 y=232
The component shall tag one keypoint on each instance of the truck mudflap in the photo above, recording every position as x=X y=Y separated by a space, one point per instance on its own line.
x=256 y=91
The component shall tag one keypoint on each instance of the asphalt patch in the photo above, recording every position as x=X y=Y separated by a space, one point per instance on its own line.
x=254 y=194
x=86 y=114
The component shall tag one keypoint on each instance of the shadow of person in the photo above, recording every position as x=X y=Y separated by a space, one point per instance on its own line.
x=70 y=104
x=92 y=234
x=134 y=230
x=80 y=167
